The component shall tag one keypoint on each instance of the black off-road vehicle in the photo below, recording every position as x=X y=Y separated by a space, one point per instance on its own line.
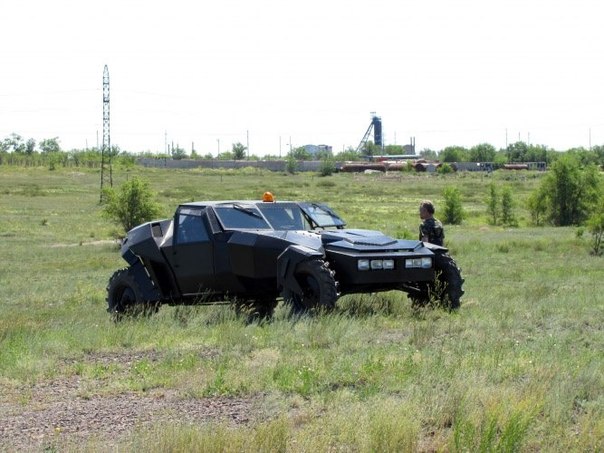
x=252 y=253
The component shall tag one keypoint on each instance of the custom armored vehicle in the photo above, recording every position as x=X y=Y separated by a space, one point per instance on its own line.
x=255 y=253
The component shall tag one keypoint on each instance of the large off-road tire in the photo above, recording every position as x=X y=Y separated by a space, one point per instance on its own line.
x=319 y=287
x=421 y=298
x=124 y=297
x=451 y=281
x=446 y=290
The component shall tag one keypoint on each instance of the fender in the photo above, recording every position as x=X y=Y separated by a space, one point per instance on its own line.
x=435 y=248
x=140 y=274
x=288 y=261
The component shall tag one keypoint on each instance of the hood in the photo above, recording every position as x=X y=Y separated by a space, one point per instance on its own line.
x=366 y=240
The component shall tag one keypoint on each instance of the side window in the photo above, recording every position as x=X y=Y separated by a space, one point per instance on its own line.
x=190 y=227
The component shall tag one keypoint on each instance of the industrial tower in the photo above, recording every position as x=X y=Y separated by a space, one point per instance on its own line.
x=376 y=126
x=106 y=169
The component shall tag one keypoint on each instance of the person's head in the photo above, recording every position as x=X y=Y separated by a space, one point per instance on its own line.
x=426 y=209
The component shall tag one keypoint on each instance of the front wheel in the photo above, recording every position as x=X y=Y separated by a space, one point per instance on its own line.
x=447 y=288
x=124 y=297
x=319 y=287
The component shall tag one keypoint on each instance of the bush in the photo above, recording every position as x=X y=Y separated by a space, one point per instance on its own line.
x=444 y=169
x=291 y=164
x=567 y=193
x=493 y=204
x=507 y=208
x=595 y=225
x=328 y=167
x=132 y=205
x=453 y=211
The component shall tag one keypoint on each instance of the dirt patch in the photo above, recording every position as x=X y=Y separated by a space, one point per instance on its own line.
x=63 y=411
x=60 y=417
x=115 y=242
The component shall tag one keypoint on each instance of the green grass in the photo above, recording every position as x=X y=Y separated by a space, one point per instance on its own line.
x=518 y=368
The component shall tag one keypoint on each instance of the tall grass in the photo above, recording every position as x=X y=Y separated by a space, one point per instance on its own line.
x=519 y=368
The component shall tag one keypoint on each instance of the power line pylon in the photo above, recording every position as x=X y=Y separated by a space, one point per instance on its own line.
x=106 y=169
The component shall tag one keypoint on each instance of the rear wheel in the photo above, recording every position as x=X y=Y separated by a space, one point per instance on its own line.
x=124 y=297
x=319 y=287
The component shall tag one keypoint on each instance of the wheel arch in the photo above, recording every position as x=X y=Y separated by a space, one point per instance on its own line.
x=287 y=263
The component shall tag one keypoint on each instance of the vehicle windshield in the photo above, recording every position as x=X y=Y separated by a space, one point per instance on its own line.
x=284 y=216
x=322 y=215
x=237 y=215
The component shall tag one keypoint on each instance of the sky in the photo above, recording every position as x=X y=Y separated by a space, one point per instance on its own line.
x=275 y=73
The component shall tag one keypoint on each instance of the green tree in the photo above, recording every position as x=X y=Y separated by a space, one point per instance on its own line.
x=226 y=155
x=50 y=145
x=291 y=164
x=595 y=225
x=482 y=153
x=300 y=153
x=178 y=153
x=453 y=212
x=348 y=154
x=428 y=154
x=568 y=193
x=131 y=205
x=394 y=149
x=537 y=204
x=14 y=143
x=517 y=151
x=238 y=151
x=454 y=154
x=30 y=146
x=493 y=204
x=508 y=216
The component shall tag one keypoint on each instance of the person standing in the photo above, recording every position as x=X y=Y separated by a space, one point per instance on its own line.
x=431 y=229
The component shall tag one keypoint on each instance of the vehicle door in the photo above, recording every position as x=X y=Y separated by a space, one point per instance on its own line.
x=192 y=254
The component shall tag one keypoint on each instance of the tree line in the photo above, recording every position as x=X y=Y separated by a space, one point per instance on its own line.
x=17 y=150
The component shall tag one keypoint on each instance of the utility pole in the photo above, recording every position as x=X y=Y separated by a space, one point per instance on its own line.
x=106 y=170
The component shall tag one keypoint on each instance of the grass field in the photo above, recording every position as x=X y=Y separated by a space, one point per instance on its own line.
x=520 y=367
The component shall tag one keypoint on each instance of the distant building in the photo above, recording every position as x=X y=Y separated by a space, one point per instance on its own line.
x=313 y=150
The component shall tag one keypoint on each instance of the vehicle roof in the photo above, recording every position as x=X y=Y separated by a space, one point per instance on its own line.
x=219 y=202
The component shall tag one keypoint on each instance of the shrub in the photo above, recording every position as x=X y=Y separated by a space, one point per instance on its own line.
x=493 y=204
x=453 y=210
x=291 y=164
x=595 y=225
x=507 y=208
x=132 y=205
x=445 y=168
x=328 y=167
x=567 y=193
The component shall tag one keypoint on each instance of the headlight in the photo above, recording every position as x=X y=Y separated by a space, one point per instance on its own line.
x=377 y=264
x=365 y=265
x=423 y=263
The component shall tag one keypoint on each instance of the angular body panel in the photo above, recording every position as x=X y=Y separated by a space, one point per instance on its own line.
x=249 y=250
